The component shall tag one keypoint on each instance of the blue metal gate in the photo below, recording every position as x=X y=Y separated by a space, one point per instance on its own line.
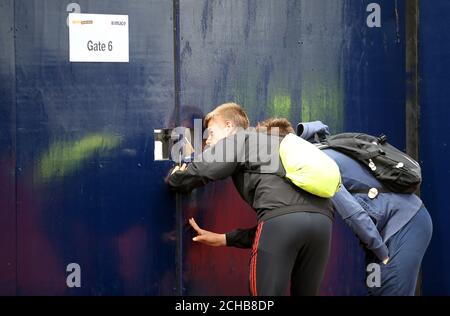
x=78 y=179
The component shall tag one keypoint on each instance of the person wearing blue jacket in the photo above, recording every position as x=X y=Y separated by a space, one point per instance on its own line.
x=394 y=228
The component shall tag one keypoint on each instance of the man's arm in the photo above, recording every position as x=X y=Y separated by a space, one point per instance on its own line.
x=199 y=173
x=206 y=237
x=360 y=222
x=241 y=238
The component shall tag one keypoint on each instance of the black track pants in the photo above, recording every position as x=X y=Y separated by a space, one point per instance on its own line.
x=290 y=249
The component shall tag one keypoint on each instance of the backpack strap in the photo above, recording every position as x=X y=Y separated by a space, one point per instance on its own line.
x=372 y=154
x=323 y=145
x=365 y=191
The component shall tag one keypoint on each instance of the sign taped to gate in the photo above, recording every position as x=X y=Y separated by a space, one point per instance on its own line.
x=98 y=38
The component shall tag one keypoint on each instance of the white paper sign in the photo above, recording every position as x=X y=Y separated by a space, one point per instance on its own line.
x=98 y=37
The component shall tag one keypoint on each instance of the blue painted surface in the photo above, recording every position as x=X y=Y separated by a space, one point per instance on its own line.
x=88 y=190
x=435 y=140
x=374 y=72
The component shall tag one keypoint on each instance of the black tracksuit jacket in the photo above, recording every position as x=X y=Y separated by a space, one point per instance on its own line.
x=258 y=175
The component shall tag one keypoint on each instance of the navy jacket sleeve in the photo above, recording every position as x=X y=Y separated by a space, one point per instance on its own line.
x=309 y=131
x=360 y=222
x=241 y=238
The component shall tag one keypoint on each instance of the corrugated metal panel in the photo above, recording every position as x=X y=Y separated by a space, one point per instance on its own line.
x=88 y=190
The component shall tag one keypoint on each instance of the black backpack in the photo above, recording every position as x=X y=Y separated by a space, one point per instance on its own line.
x=397 y=171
